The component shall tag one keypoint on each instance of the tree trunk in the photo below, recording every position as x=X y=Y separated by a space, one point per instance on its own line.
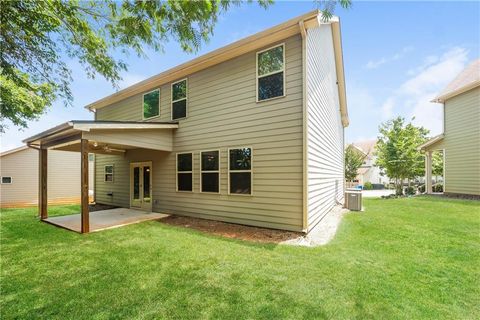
x=399 y=187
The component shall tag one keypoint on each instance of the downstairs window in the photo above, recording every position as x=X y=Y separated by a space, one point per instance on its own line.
x=210 y=171
x=240 y=171
x=185 y=171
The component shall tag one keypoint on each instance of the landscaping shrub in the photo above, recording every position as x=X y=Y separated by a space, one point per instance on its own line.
x=437 y=187
x=421 y=188
x=392 y=196
x=410 y=191
x=378 y=186
x=367 y=186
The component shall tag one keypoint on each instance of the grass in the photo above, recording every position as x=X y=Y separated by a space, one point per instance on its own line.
x=402 y=259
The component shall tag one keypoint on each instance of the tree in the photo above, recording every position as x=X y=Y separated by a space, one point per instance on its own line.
x=437 y=164
x=37 y=38
x=397 y=152
x=353 y=161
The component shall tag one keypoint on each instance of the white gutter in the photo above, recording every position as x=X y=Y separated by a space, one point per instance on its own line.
x=303 y=32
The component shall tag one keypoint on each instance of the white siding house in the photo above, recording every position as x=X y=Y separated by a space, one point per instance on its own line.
x=19 y=177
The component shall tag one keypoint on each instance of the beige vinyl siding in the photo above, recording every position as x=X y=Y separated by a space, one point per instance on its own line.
x=325 y=174
x=91 y=175
x=462 y=143
x=22 y=166
x=222 y=114
x=120 y=185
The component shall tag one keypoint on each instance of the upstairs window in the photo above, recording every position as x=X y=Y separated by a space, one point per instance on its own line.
x=210 y=171
x=185 y=171
x=7 y=180
x=240 y=171
x=151 y=104
x=271 y=73
x=108 y=174
x=179 y=99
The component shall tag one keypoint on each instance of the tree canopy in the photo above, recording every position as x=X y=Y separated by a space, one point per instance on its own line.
x=437 y=163
x=37 y=38
x=397 y=150
x=353 y=161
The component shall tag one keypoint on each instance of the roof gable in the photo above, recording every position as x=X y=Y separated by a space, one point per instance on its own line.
x=257 y=41
x=13 y=151
x=367 y=146
x=468 y=79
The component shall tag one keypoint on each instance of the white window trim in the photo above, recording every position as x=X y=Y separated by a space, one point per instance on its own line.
x=269 y=74
x=240 y=171
x=177 y=172
x=11 y=180
x=159 y=99
x=105 y=173
x=210 y=171
x=173 y=101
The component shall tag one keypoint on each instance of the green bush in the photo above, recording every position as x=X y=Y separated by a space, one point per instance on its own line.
x=367 y=186
x=437 y=187
x=410 y=191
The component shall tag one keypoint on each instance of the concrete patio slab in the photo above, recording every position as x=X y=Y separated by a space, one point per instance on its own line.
x=105 y=219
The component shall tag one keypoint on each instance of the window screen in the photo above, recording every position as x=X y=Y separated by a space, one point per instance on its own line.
x=270 y=73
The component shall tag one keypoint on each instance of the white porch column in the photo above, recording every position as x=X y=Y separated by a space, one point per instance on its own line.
x=428 y=172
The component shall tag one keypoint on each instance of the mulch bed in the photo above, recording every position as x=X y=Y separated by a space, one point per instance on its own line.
x=230 y=230
x=461 y=196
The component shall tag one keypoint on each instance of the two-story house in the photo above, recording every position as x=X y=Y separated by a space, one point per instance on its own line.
x=368 y=171
x=251 y=133
x=460 y=140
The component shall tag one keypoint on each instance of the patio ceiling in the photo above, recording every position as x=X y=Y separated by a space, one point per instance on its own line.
x=106 y=137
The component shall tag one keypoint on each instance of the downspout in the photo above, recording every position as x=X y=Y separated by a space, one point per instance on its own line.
x=94 y=165
x=340 y=73
x=303 y=32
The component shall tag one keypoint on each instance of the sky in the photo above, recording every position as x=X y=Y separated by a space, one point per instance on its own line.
x=397 y=57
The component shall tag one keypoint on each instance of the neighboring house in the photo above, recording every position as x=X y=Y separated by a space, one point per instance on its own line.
x=19 y=177
x=368 y=172
x=251 y=133
x=460 y=140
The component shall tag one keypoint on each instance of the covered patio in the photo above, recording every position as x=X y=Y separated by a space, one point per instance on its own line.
x=105 y=219
x=100 y=137
x=432 y=145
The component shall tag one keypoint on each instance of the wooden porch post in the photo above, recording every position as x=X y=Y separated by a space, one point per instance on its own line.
x=84 y=185
x=428 y=172
x=42 y=184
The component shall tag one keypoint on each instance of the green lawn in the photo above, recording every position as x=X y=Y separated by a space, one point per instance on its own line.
x=404 y=258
